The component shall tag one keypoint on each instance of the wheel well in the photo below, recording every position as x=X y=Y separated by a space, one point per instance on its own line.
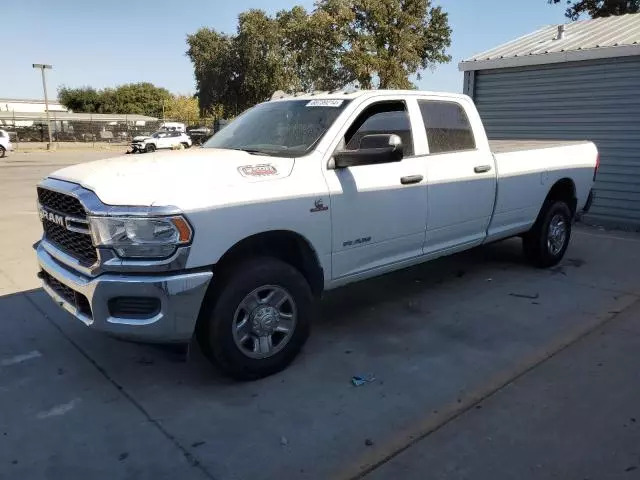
x=564 y=190
x=284 y=245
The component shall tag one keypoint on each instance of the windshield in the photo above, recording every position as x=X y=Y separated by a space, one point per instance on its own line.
x=159 y=135
x=284 y=128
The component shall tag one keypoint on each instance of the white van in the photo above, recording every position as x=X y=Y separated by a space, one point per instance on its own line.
x=173 y=127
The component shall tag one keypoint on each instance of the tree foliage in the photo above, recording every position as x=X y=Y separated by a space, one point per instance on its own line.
x=599 y=8
x=133 y=98
x=369 y=43
x=182 y=108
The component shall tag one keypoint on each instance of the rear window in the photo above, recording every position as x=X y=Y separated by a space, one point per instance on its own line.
x=448 y=127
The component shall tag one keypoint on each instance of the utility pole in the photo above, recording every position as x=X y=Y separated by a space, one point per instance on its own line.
x=42 y=68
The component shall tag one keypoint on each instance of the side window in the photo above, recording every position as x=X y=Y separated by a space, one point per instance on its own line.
x=383 y=117
x=448 y=128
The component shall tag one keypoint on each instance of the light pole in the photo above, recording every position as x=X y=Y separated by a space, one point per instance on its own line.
x=42 y=68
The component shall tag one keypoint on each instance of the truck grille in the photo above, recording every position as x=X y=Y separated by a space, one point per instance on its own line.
x=70 y=295
x=61 y=203
x=76 y=244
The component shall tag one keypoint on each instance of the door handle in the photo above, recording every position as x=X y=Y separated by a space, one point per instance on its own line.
x=411 y=179
x=482 y=169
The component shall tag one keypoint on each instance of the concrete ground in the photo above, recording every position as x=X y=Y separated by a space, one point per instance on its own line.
x=484 y=369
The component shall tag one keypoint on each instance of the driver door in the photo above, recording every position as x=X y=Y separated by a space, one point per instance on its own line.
x=378 y=211
x=164 y=140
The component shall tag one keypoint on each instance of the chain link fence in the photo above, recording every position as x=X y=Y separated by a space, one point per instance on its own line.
x=29 y=129
x=82 y=128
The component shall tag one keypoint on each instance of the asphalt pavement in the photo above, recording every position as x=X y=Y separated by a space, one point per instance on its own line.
x=481 y=367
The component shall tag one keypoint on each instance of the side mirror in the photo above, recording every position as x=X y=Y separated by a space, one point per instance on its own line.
x=374 y=149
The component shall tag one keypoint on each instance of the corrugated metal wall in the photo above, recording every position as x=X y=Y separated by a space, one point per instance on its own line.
x=595 y=100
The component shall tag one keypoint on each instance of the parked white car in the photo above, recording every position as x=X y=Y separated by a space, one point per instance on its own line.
x=5 y=143
x=234 y=242
x=160 y=140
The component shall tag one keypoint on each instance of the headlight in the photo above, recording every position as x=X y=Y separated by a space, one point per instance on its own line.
x=141 y=237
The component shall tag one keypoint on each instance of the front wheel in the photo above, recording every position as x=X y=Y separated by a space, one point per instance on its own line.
x=150 y=148
x=256 y=323
x=3 y=151
x=547 y=242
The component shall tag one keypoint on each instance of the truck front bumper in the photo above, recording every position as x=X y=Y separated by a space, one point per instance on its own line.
x=151 y=308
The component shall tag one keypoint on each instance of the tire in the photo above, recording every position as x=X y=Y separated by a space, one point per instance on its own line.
x=150 y=148
x=243 y=298
x=3 y=151
x=546 y=243
x=185 y=145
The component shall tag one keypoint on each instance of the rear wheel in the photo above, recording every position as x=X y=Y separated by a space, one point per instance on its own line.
x=150 y=148
x=256 y=323
x=547 y=242
x=3 y=151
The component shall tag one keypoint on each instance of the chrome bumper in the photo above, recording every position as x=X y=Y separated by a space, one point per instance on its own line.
x=180 y=296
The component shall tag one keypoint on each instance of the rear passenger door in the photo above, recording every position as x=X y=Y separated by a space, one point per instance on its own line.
x=461 y=176
x=173 y=139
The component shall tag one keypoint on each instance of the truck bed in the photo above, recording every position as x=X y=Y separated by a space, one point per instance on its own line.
x=507 y=146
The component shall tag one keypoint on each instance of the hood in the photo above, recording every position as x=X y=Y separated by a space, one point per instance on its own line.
x=181 y=179
x=141 y=138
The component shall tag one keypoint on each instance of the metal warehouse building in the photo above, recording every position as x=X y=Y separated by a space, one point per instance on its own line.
x=576 y=81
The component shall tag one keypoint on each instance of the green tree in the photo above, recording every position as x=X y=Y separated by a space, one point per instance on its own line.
x=598 y=8
x=82 y=99
x=182 y=108
x=387 y=41
x=374 y=43
x=259 y=57
x=140 y=98
x=217 y=78
x=312 y=46
x=134 y=98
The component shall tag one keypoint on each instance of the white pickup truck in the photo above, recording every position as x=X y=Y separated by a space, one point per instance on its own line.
x=233 y=243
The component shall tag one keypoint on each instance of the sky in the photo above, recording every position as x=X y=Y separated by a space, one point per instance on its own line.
x=104 y=44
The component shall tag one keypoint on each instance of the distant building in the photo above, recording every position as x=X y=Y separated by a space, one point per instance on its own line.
x=24 y=105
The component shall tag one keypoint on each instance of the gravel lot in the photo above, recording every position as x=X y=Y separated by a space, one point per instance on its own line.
x=443 y=340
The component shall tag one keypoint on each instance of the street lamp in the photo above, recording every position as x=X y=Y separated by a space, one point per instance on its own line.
x=42 y=68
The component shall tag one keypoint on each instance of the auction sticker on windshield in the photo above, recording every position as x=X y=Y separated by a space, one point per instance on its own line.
x=325 y=103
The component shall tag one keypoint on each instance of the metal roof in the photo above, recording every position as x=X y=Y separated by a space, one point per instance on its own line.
x=608 y=37
x=28 y=100
x=80 y=117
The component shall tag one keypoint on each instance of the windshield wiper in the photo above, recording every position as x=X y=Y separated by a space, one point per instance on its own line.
x=253 y=151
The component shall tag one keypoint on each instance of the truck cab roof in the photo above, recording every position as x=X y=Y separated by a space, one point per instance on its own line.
x=352 y=95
